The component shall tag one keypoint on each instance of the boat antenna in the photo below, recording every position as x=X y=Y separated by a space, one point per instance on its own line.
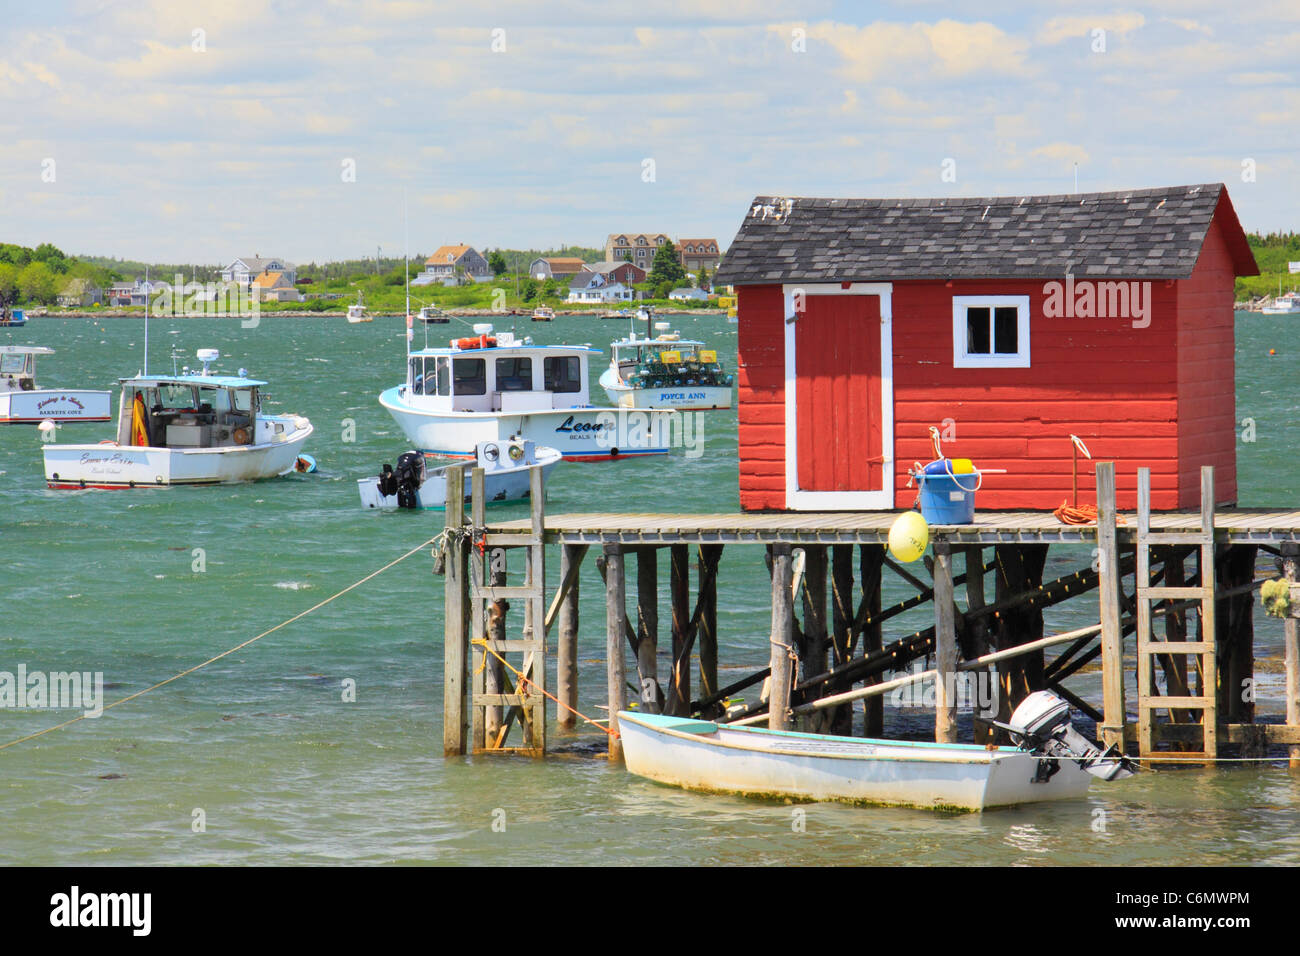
x=406 y=256
x=145 y=370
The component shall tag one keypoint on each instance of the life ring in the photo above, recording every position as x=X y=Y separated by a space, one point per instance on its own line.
x=241 y=436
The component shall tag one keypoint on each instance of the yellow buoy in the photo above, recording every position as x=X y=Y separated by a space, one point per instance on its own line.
x=963 y=466
x=908 y=536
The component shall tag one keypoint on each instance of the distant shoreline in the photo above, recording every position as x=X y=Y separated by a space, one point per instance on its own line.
x=299 y=314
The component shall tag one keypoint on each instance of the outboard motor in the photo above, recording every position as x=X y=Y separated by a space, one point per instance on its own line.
x=1041 y=725
x=387 y=481
x=410 y=476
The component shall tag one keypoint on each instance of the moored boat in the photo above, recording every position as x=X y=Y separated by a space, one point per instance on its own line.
x=507 y=472
x=186 y=429
x=665 y=371
x=1288 y=304
x=1053 y=763
x=432 y=315
x=357 y=312
x=543 y=313
x=23 y=402
x=12 y=317
x=491 y=387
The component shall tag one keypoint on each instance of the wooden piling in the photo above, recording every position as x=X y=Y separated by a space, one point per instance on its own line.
x=455 y=642
x=615 y=624
x=678 y=700
x=1291 y=571
x=566 y=655
x=841 y=719
x=871 y=561
x=647 y=629
x=781 y=639
x=813 y=596
x=1108 y=589
x=945 y=656
x=709 y=557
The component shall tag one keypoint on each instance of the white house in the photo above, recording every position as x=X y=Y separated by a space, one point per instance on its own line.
x=244 y=271
x=596 y=287
x=689 y=295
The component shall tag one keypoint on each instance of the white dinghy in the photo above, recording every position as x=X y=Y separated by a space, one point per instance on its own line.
x=1052 y=762
x=507 y=468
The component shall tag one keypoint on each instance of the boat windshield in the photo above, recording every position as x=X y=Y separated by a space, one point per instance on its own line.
x=563 y=373
x=13 y=363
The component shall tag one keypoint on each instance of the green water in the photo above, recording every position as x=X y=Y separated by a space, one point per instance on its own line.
x=285 y=771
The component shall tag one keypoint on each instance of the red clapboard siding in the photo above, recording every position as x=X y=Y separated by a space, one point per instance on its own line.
x=761 y=392
x=1113 y=385
x=1207 y=411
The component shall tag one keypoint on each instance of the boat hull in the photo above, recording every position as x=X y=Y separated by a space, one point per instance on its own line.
x=510 y=485
x=756 y=762
x=682 y=398
x=580 y=434
x=57 y=405
x=109 y=465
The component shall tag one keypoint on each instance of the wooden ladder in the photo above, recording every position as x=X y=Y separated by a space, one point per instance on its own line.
x=1149 y=700
x=496 y=685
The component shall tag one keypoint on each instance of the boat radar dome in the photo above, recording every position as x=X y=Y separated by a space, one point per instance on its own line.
x=482 y=328
x=662 y=326
x=207 y=357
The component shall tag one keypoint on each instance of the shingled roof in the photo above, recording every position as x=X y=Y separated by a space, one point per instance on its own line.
x=1137 y=234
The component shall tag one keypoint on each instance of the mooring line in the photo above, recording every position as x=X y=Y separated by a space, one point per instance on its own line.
x=237 y=647
x=482 y=642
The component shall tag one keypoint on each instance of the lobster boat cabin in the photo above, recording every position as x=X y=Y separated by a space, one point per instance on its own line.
x=665 y=371
x=1009 y=323
x=492 y=388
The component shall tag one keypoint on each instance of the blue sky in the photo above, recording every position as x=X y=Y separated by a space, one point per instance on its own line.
x=169 y=144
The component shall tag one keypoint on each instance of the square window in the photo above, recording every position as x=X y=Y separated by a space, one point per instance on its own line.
x=990 y=331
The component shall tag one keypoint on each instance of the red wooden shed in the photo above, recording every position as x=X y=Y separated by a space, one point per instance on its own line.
x=1010 y=323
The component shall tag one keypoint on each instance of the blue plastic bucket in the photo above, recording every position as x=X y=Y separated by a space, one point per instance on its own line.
x=947 y=498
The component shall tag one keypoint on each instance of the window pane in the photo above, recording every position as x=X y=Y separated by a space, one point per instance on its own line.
x=1005 y=322
x=417 y=376
x=977 y=331
x=562 y=373
x=514 y=374
x=471 y=376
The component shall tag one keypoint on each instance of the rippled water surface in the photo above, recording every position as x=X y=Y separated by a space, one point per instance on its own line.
x=285 y=772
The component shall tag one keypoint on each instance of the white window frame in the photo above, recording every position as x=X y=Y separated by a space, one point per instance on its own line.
x=962 y=359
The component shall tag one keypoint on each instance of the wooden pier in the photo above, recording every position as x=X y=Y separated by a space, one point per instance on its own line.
x=1176 y=593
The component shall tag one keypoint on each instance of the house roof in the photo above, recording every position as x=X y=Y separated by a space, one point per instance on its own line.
x=268 y=280
x=607 y=267
x=1135 y=233
x=445 y=254
x=565 y=264
x=683 y=243
x=257 y=264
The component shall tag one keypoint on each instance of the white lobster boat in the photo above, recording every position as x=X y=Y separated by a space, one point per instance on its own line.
x=23 y=402
x=1053 y=763
x=491 y=388
x=665 y=371
x=507 y=475
x=187 y=429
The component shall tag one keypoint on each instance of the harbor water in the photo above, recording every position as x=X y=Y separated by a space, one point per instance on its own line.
x=263 y=758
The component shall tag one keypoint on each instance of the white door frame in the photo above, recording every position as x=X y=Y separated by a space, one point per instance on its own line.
x=800 y=500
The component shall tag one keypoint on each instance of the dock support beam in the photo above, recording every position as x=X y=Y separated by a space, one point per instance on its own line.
x=841 y=717
x=615 y=625
x=455 y=643
x=871 y=561
x=945 y=647
x=709 y=557
x=1291 y=570
x=1108 y=589
x=782 y=638
x=566 y=656
x=678 y=702
x=647 y=629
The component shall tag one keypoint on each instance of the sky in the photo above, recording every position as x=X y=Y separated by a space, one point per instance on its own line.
x=166 y=131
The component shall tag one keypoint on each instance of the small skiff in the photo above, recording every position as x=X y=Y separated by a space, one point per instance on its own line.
x=753 y=761
x=506 y=475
